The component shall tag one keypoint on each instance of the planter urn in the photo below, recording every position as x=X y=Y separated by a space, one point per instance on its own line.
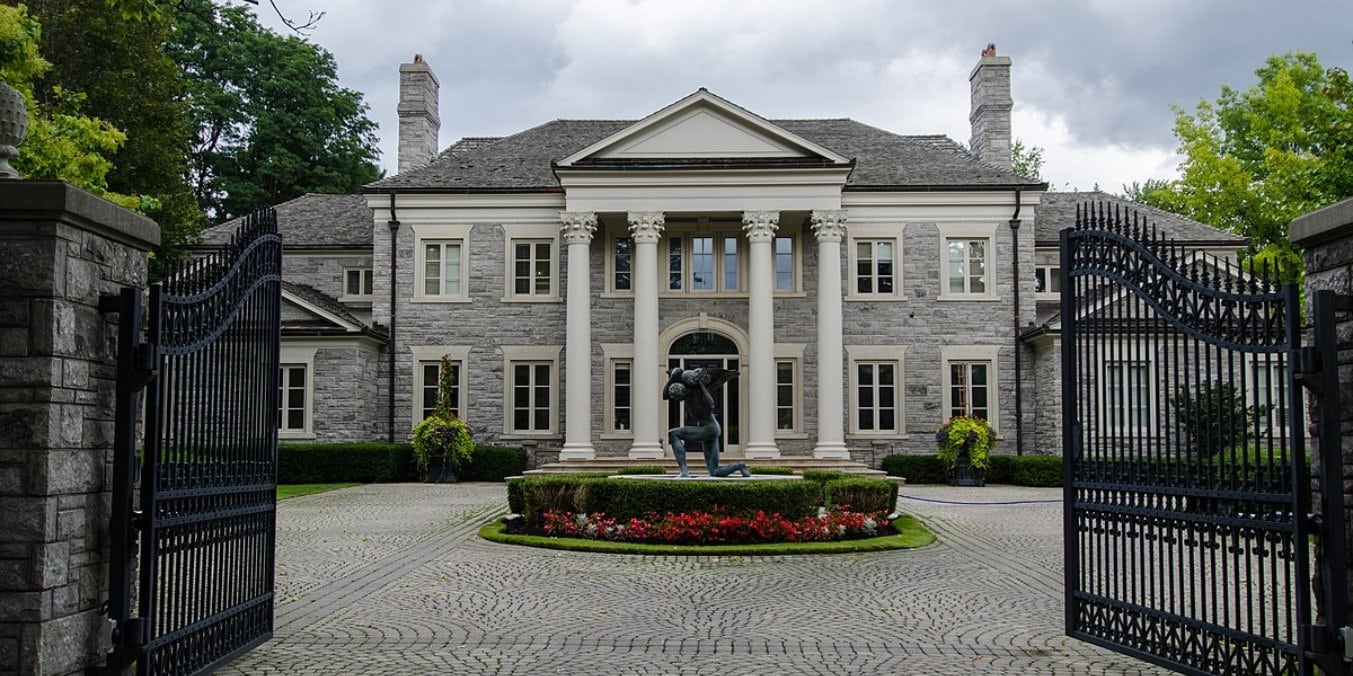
x=13 y=128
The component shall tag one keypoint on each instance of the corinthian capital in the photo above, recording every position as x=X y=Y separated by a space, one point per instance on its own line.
x=578 y=226
x=829 y=225
x=760 y=226
x=646 y=226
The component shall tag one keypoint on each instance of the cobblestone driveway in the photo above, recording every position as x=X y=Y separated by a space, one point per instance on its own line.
x=392 y=579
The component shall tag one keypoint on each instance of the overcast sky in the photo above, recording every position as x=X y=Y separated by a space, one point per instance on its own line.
x=1093 y=80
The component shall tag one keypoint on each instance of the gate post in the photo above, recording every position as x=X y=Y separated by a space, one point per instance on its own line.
x=60 y=249
x=1327 y=237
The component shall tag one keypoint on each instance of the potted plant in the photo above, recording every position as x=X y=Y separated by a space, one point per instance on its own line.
x=442 y=443
x=964 y=446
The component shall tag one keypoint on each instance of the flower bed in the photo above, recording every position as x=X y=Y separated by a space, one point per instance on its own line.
x=715 y=527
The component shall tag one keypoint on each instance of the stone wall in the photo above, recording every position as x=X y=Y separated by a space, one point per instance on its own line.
x=1327 y=237
x=62 y=248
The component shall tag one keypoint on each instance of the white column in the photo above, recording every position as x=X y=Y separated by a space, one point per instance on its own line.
x=760 y=227
x=576 y=231
x=645 y=396
x=830 y=228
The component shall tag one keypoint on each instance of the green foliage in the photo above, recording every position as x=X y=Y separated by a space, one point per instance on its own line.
x=1027 y=160
x=917 y=469
x=776 y=470
x=861 y=494
x=442 y=434
x=285 y=491
x=1256 y=159
x=1000 y=469
x=360 y=462
x=967 y=435
x=643 y=469
x=1214 y=416
x=823 y=475
x=494 y=463
x=271 y=122
x=1037 y=470
x=532 y=496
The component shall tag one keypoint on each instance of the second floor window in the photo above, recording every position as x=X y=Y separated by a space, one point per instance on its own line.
x=442 y=268
x=966 y=266
x=874 y=273
x=357 y=282
x=531 y=268
x=1048 y=279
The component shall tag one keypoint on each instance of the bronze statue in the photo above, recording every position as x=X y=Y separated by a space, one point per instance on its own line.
x=692 y=386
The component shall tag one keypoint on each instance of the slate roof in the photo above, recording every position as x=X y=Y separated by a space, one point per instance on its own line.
x=1057 y=210
x=523 y=162
x=339 y=221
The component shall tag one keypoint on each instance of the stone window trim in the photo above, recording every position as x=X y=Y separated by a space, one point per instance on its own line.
x=871 y=232
x=420 y=354
x=1049 y=278
x=972 y=353
x=612 y=354
x=522 y=234
x=514 y=354
x=968 y=231
x=793 y=353
x=446 y=233
x=365 y=278
x=893 y=354
x=303 y=357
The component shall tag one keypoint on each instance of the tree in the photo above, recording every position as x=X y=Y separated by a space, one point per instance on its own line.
x=63 y=143
x=270 y=121
x=1256 y=159
x=120 y=65
x=1027 y=161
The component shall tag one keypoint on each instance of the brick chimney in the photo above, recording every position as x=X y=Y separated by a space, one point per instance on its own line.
x=991 y=103
x=419 y=123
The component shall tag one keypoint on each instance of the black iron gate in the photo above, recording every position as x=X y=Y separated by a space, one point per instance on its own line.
x=1187 y=528
x=199 y=588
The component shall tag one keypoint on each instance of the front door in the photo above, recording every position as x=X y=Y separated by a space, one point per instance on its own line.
x=708 y=350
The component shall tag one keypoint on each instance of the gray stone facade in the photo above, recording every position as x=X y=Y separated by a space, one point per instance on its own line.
x=63 y=249
x=991 y=104
x=418 y=117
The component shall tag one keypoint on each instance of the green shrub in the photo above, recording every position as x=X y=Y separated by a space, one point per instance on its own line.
x=643 y=469
x=516 y=494
x=356 y=462
x=861 y=494
x=1037 y=470
x=965 y=435
x=625 y=498
x=563 y=492
x=823 y=475
x=917 y=469
x=766 y=470
x=494 y=463
x=1001 y=469
x=1215 y=416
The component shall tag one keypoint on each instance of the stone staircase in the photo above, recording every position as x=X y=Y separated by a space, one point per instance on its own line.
x=697 y=465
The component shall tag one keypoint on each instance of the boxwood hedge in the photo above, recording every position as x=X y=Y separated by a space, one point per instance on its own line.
x=378 y=462
x=625 y=498
x=1020 y=470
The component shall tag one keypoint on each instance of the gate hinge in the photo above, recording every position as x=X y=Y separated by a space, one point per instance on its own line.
x=1306 y=370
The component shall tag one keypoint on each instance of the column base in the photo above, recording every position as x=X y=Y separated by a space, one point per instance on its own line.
x=649 y=451
x=577 y=450
x=760 y=449
x=831 y=450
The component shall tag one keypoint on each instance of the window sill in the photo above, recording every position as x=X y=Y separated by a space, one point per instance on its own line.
x=858 y=298
x=615 y=436
x=878 y=436
x=295 y=436
x=429 y=300
x=356 y=301
x=542 y=300
x=530 y=436
x=792 y=436
x=967 y=298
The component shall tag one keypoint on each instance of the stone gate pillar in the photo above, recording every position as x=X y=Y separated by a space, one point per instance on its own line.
x=60 y=249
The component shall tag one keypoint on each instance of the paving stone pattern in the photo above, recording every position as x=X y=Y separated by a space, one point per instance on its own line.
x=393 y=579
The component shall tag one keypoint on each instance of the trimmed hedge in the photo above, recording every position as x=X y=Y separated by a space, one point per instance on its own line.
x=624 y=498
x=494 y=463
x=359 y=462
x=1020 y=470
x=861 y=494
x=777 y=470
x=824 y=475
x=643 y=469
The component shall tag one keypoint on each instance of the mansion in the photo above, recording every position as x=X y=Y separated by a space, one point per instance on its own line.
x=866 y=285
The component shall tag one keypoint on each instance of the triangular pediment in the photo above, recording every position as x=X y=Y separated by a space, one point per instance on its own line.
x=298 y=311
x=702 y=126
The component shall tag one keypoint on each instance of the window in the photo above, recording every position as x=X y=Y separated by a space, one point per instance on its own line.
x=531 y=397
x=621 y=383
x=702 y=264
x=876 y=406
x=1048 y=279
x=624 y=263
x=1127 y=394
x=970 y=389
x=967 y=266
x=431 y=375
x=702 y=260
x=675 y=268
x=874 y=265
x=784 y=396
x=441 y=269
x=784 y=263
x=532 y=268
x=1270 y=392
x=292 y=408
x=357 y=283
x=730 y=263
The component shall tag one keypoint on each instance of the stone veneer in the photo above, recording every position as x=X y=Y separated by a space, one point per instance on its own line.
x=62 y=248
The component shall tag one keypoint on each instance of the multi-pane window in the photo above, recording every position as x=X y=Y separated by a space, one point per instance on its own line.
x=357 y=282
x=784 y=395
x=784 y=263
x=1127 y=394
x=1270 y=392
x=624 y=263
x=675 y=267
x=621 y=381
x=531 y=397
x=730 y=264
x=966 y=265
x=291 y=404
x=441 y=268
x=874 y=266
x=970 y=389
x=1048 y=279
x=431 y=372
x=531 y=268
x=876 y=396
x=702 y=264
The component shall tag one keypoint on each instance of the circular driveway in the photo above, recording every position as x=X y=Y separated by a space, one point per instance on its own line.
x=392 y=578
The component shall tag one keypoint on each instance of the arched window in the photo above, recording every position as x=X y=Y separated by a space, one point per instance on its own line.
x=704 y=342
